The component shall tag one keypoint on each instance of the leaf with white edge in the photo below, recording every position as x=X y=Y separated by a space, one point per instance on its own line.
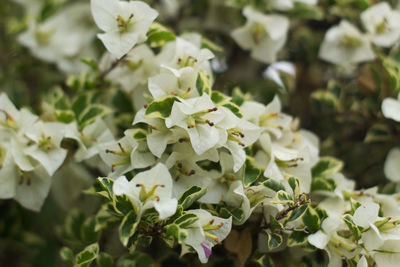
x=295 y=185
x=103 y=188
x=175 y=231
x=87 y=256
x=263 y=260
x=298 y=213
x=283 y=197
x=144 y=240
x=123 y=204
x=204 y=83
x=251 y=173
x=348 y=219
x=92 y=113
x=206 y=43
x=378 y=133
x=160 y=108
x=158 y=35
x=127 y=227
x=122 y=102
x=274 y=240
x=234 y=108
x=139 y=134
x=64 y=116
x=67 y=255
x=311 y=220
x=104 y=260
x=326 y=167
x=191 y=195
x=323 y=184
x=274 y=224
x=274 y=185
x=186 y=220
x=106 y=217
x=297 y=238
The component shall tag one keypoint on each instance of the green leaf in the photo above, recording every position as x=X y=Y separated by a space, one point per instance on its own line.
x=91 y=63
x=311 y=220
x=175 y=231
x=234 y=108
x=161 y=108
x=297 y=238
x=87 y=256
x=88 y=233
x=348 y=219
x=73 y=224
x=274 y=185
x=158 y=35
x=67 y=255
x=145 y=240
x=392 y=68
x=122 y=102
x=104 y=260
x=127 y=227
x=238 y=97
x=204 y=83
x=298 y=213
x=324 y=100
x=326 y=167
x=64 y=116
x=306 y=11
x=251 y=172
x=274 y=240
x=190 y=196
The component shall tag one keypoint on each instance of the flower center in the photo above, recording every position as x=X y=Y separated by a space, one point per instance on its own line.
x=3 y=153
x=124 y=24
x=350 y=41
x=148 y=195
x=258 y=32
x=381 y=27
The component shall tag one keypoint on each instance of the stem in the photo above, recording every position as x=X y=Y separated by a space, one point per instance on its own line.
x=113 y=66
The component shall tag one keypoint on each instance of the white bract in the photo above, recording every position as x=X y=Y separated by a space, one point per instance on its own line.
x=63 y=38
x=345 y=45
x=285 y=5
x=382 y=23
x=198 y=117
x=391 y=108
x=125 y=155
x=264 y=35
x=207 y=232
x=125 y=23
x=149 y=189
x=392 y=165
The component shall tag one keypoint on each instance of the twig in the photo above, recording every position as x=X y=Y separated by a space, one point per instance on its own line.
x=113 y=66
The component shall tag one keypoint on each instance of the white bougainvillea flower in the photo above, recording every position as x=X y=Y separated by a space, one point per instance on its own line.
x=125 y=23
x=170 y=81
x=186 y=51
x=29 y=188
x=62 y=37
x=284 y=5
x=125 y=155
x=345 y=45
x=134 y=70
x=335 y=245
x=273 y=72
x=160 y=135
x=235 y=135
x=207 y=232
x=12 y=120
x=391 y=108
x=198 y=117
x=90 y=139
x=150 y=189
x=392 y=165
x=45 y=147
x=366 y=214
x=382 y=23
x=264 y=35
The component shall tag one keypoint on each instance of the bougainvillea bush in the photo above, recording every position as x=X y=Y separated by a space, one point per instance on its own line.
x=200 y=133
